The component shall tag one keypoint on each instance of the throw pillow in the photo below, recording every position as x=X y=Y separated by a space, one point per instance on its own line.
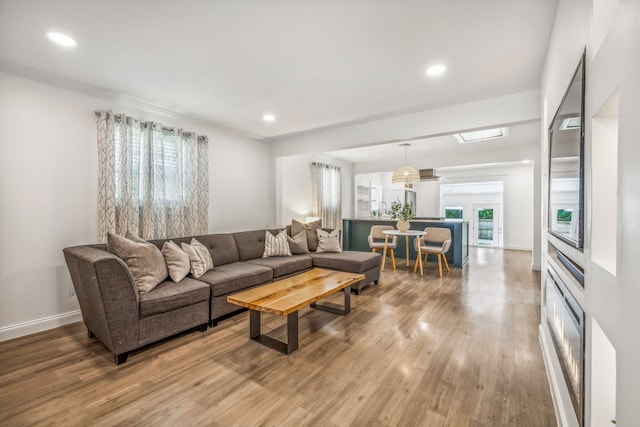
x=276 y=245
x=328 y=242
x=298 y=243
x=144 y=259
x=177 y=261
x=309 y=228
x=199 y=258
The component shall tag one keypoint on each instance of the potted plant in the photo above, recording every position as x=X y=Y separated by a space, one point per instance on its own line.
x=402 y=212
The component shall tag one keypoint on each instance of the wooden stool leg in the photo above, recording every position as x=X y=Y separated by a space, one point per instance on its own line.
x=439 y=264
x=393 y=258
x=446 y=264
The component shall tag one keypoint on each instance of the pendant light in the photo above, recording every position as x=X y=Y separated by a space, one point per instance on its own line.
x=406 y=173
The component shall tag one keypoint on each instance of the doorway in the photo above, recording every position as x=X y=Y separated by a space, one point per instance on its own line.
x=480 y=203
x=487 y=224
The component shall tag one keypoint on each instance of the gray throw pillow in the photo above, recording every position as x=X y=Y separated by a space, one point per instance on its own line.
x=298 y=243
x=276 y=245
x=177 y=261
x=144 y=259
x=328 y=242
x=309 y=228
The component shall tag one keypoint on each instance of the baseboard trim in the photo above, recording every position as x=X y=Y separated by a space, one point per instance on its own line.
x=518 y=248
x=38 y=325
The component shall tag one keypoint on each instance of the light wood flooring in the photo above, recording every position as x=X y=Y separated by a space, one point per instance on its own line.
x=457 y=351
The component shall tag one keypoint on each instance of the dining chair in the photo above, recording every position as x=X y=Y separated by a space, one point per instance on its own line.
x=436 y=241
x=376 y=241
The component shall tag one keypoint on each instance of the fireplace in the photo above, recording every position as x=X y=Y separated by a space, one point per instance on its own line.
x=565 y=319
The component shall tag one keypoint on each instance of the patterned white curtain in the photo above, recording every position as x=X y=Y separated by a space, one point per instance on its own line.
x=153 y=181
x=326 y=188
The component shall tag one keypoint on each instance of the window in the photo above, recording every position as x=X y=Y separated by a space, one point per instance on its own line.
x=564 y=215
x=326 y=182
x=153 y=180
x=453 y=213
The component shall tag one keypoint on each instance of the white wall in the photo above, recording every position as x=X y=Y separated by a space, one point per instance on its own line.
x=612 y=63
x=293 y=186
x=48 y=188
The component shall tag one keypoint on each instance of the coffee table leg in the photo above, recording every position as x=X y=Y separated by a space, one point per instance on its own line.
x=254 y=324
x=347 y=304
x=292 y=333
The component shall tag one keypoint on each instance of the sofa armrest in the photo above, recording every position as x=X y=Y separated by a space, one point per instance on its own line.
x=107 y=294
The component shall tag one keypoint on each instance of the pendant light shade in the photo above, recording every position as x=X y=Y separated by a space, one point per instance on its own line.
x=405 y=174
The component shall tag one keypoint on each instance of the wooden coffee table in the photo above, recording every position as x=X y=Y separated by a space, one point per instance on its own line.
x=285 y=297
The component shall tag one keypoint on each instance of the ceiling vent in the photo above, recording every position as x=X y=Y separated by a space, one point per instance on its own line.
x=428 y=175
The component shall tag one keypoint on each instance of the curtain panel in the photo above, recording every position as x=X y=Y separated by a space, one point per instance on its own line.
x=152 y=181
x=326 y=185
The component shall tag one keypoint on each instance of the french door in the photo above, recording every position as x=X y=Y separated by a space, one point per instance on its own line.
x=487 y=224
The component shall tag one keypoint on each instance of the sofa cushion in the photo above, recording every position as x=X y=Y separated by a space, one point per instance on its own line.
x=283 y=266
x=276 y=245
x=351 y=261
x=298 y=243
x=250 y=244
x=168 y=296
x=235 y=277
x=177 y=261
x=145 y=261
x=310 y=229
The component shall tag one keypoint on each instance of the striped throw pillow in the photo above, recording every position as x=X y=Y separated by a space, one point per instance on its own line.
x=276 y=245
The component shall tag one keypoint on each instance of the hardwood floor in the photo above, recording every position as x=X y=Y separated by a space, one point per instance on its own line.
x=457 y=351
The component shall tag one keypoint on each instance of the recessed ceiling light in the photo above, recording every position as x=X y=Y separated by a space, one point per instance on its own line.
x=269 y=118
x=61 y=39
x=436 y=70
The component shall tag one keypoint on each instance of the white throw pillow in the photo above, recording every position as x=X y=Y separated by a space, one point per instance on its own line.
x=177 y=261
x=328 y=242
x=199 y=258
x=276 y=245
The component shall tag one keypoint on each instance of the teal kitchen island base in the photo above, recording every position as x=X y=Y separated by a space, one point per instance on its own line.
x=356 y=232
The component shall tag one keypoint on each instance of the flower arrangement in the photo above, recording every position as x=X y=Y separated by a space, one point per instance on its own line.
x=401 y=211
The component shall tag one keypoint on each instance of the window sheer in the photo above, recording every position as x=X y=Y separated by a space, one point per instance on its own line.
x=326 y=183
x=153 y=180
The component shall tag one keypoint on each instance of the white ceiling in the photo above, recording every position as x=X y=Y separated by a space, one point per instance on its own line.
x=311 y=63
x=420 y=152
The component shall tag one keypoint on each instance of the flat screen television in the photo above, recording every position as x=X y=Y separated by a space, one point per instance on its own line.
x=566 y=164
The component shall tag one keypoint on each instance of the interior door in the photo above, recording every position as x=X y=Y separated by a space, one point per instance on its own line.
x=487 y=225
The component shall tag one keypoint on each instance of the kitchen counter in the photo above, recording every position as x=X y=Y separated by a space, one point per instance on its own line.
x=356 y=232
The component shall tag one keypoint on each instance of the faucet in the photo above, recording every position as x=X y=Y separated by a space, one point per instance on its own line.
x=381 y=210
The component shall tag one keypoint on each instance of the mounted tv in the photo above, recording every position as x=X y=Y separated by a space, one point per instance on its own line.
x=566 y=164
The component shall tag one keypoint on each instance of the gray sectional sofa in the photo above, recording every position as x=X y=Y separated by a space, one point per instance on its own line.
x=125 y=320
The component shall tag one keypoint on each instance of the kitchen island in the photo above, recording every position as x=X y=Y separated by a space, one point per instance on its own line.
x=356 y=232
